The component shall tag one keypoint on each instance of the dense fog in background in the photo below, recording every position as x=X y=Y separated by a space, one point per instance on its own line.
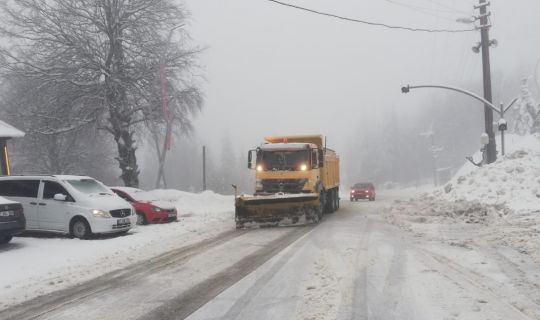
x=271 y=70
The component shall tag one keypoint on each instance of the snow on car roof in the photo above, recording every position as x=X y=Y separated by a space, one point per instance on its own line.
x=285 y=146
x=9 y=131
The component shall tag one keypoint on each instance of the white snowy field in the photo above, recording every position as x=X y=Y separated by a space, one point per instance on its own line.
x=32 y=266
x=498 y=204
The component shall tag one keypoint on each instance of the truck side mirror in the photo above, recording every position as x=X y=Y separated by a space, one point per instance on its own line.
x=321 y=158
x=314 y=159
x=251 y=165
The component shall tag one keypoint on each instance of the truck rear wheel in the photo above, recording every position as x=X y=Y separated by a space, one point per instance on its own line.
x=333 y=201
x=330 y=203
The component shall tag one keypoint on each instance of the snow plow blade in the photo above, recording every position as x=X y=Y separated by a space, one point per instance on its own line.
x=288 y=209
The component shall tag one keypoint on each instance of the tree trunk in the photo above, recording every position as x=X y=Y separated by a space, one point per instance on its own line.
x=120 y=117
x=127 y=161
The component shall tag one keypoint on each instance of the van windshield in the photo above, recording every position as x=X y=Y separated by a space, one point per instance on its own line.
x=88 y=186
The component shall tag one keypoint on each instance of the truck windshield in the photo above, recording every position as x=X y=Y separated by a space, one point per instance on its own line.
x=284 y=160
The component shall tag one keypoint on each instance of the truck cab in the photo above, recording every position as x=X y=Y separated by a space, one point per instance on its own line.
x=297 y=181
x=287 y=168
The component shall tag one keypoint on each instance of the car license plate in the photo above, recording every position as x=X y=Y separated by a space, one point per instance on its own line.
x=9 y=213
x=122 y=221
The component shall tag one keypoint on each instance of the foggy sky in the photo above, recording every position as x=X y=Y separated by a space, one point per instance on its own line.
x=275 y=70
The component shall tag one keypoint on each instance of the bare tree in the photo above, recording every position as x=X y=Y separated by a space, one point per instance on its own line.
x=61 y=135
x=110 y=50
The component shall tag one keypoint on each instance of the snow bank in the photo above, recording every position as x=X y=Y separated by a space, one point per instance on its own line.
x=497 y=203
x=33 y=266
x=190 y=204
x=512 y=181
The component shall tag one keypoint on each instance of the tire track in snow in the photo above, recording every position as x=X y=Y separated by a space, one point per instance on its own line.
x=472 y=282
x=243 y=301
x=40 y=306
x=191 y=300
x=359 y=298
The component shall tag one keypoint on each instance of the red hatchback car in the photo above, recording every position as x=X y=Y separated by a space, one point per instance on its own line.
x=148 y=210
x=364 y=190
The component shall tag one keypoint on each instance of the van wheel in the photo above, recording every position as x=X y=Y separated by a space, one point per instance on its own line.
x=80 y=229
x=141 y=219
x=5 y=239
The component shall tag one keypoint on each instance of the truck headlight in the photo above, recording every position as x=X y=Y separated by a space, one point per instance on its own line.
x=303 y=167
x=100 y=213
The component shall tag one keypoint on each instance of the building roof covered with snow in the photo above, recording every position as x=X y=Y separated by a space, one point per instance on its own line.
x=8 y=131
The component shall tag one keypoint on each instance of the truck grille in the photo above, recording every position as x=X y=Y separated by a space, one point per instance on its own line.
x=283 y=185
x=120 y=213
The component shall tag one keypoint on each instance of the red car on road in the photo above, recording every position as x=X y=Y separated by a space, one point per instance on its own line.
x=147 y=209
x=364 y=190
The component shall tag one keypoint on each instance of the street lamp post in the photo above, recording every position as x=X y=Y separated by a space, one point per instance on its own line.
x=502 y=124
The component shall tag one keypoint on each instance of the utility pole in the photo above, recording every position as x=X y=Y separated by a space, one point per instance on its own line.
x=485 y=43
x=204 y=167
x=434 y=153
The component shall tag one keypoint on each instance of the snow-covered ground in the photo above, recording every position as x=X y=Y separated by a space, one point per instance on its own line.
x=33 y=266
x=475 y=254
x=498 y=204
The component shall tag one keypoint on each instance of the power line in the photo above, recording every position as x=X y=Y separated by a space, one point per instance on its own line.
x=378 y=24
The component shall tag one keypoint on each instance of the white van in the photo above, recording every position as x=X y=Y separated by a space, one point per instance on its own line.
x=75 y=205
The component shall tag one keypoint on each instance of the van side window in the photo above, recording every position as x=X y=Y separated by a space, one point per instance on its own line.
x=19 y=188
x=51 y=188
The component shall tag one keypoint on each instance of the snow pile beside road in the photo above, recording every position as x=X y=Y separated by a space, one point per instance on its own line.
x=497 y=204
x=32 y=266
x=190 y=204
x=512 y=181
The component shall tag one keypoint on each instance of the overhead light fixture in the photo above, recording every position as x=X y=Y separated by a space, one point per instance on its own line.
x=476 y=48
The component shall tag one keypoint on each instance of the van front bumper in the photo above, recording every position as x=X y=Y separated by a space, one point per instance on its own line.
x=111 y=225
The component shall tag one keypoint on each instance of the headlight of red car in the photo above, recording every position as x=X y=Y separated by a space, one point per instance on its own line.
x=155 y=209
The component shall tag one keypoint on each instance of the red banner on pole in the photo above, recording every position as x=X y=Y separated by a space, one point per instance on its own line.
x=165 y=112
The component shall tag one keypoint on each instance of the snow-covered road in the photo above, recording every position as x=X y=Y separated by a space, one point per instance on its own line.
x=353 y=265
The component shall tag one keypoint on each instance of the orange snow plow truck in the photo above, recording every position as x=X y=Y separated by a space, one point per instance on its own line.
x=297 y=181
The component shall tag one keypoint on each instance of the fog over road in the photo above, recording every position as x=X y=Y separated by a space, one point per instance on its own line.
x=353 y=265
